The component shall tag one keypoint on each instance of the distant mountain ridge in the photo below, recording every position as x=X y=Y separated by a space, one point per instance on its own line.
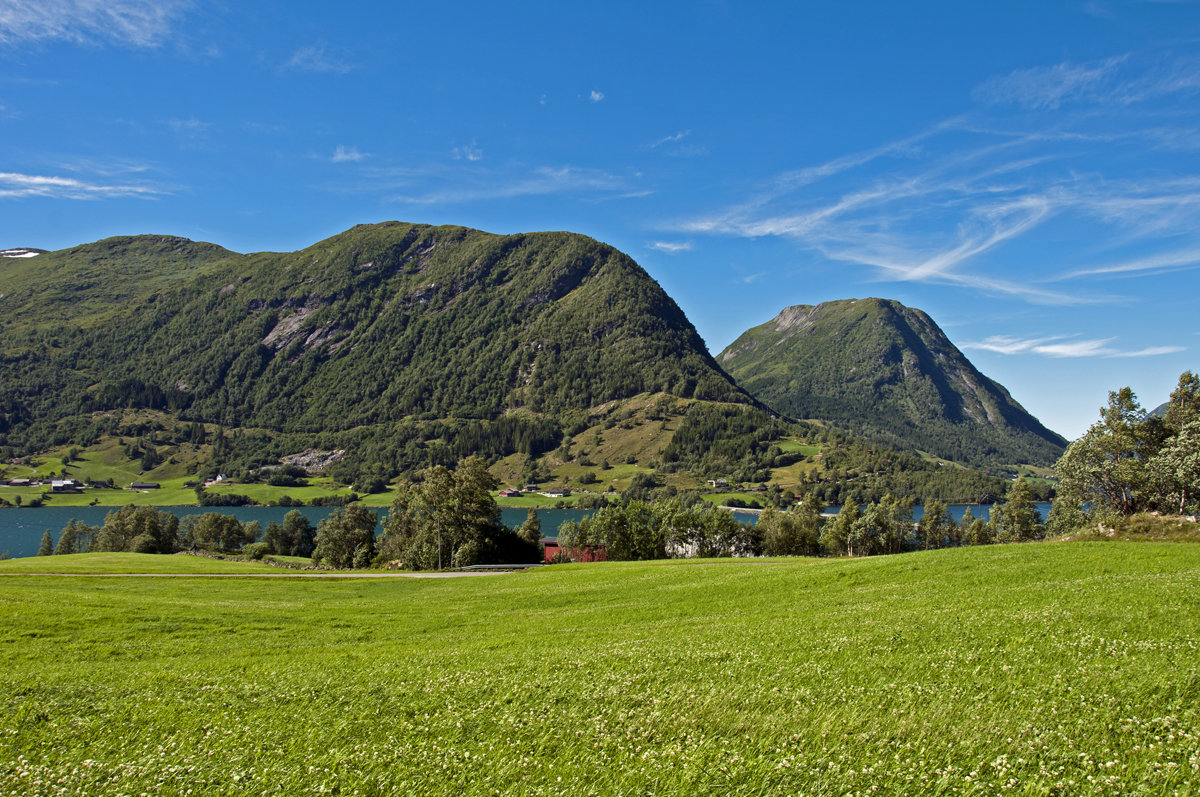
x=889 y=372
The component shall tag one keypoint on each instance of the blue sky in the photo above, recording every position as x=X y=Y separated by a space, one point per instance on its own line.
x=1026 y=172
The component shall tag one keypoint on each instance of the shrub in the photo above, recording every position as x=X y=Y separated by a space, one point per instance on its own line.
x=255 y=550
x=144 y=543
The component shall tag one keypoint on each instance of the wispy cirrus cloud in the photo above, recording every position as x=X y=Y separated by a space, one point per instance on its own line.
x=1119 y=80
x=15 y=186
x=141 y=23
x=673 y=146
x=104 y=168
x=952 y=203
x=596 y=96
x=1156 y=263
x=317 y=59
x=1062 y=346
x=671 y=247
x=1050 y=87
x=189 y=128
x=481 y=185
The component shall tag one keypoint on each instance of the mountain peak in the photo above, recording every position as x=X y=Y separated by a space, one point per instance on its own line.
x=888 y=371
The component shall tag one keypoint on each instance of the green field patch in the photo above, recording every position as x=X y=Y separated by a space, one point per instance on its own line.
x=1057 y=669
x=797 y=447
x=537 y=501
x=722 y=499
x=109 y=563
x=266 y=493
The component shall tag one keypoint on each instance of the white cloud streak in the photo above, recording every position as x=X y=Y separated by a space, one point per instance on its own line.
x=1117 y=81
x=596 y=96
x=670 y=247
x=348 y=155
x=19 y=186
x=948 y=204
x=316 y=59
x=1158 y=263
x=540 y=181
x=141 y=23
x=1061 y=346
x=671 y=139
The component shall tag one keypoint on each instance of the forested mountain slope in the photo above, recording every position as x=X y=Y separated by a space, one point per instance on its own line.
x=886 y=371
x=381 y=323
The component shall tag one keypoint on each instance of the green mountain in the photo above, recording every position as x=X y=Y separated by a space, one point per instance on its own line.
x=497 y=342
x=887 y=372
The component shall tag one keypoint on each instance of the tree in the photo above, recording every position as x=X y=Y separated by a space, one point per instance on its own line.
x=449 y=518
x=274 y=540
x=1175 y=469
x=627 y=532
x=66 y=543
x=1185 y=402
x=76 y=537
x=346 y=538
x=531 y=529
x=835 y=538
x=936 y=526
x=1018 y=520
x=213 y=531
x=975 y=530
x=898 y=529
x=701 y=530
x=299 y=533
x=159 y=531
x=47 y=546
x=795 y=532
x=1104 y=468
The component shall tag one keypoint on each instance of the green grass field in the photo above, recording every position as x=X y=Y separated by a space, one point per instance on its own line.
x=1048 y=669
x=536 y=501
x=722 y=499
x=108 y=563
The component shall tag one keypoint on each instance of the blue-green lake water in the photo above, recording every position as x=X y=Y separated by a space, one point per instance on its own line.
x=21 y=528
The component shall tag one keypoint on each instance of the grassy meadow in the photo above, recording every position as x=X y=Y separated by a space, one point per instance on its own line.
x=1056 y=668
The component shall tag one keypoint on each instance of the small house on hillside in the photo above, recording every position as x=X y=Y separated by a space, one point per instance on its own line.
x=145 y=486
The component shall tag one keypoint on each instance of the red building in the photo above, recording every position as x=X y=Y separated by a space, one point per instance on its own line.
x=551 y=549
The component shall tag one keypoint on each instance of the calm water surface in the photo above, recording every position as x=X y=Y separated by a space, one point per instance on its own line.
x=21 y=528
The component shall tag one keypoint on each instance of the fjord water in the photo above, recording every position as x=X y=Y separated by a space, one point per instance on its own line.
x=21 y=528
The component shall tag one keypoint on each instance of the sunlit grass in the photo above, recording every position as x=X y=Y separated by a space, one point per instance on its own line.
x=1031 y=669
x=107 y=563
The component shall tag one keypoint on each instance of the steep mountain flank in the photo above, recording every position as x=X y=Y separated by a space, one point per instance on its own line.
x=889 y=372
